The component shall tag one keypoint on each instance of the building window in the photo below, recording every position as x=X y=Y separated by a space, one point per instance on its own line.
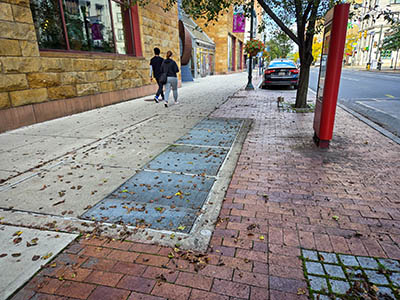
x=120 y=35
x=396 y=2
x=48 y=24
x=81 y=25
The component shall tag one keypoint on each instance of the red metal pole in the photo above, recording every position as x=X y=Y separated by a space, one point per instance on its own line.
x=334 y=68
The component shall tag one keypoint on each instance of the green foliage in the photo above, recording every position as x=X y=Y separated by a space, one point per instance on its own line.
x=392 y=41
x=280 y=45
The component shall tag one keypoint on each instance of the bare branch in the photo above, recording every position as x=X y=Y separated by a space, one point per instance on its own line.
x=307 y=10
x=274 y=17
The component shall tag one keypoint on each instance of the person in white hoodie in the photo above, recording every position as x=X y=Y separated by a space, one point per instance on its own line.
x=170 y=67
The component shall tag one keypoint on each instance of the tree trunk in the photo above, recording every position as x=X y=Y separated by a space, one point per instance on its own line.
x=306 y=59
x=302 y=90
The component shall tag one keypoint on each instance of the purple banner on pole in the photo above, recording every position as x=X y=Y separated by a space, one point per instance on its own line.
x=239 y=23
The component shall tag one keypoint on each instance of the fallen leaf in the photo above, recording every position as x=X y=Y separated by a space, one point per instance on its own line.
x=18 y=233
x=181 y=227
x=17 y=240
x=35 y=257
x=16 y=254
x=261 y=237
x=48 y=255
x=301 y=291
x=336 y=218
x=161 y=277
x=3 y=255
x=58 y=203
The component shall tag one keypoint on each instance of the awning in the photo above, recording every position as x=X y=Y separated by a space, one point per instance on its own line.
x=199 y=37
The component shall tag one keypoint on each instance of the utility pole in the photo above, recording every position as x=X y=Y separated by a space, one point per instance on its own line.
x=379 y=43
x=250 y=78
x=371 y=37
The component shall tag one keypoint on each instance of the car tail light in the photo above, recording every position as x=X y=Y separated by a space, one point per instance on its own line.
x=269 y=71
x=294 y=71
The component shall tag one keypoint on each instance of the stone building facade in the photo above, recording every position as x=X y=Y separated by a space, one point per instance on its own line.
x=42 y=84
x=372 y=30
x=228 y=45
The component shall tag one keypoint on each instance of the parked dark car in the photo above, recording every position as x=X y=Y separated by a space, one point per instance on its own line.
x=282 y=72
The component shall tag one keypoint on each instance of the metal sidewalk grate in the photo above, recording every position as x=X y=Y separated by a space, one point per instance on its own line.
x=169 y=193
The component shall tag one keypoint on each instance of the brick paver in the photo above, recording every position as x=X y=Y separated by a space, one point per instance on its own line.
x=284 y=194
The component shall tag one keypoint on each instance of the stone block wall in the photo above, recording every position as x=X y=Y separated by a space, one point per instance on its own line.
x=29 y=77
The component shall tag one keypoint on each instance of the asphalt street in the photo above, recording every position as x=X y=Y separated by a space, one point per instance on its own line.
x=374 y=95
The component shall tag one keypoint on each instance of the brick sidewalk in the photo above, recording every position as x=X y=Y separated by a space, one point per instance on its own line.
x=285 y=195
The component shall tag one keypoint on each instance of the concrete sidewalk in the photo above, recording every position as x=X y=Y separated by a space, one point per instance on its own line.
x=292 y=219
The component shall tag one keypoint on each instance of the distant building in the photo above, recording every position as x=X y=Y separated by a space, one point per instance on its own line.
x=228 y=44
x=202 y=58
x=372 y=31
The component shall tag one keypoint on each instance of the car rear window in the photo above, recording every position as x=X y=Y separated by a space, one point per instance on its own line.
x=279 y=64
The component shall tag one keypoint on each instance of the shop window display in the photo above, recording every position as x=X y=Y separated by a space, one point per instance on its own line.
x=83 y=25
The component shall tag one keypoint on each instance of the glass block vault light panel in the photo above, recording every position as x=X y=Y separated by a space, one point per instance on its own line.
x=343 y=276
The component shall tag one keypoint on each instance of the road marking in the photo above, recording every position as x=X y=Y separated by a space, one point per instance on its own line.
x=388 y=95
x=349 y=78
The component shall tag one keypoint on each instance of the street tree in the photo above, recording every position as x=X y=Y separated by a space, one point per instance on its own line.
x=392 y=40
x=279 y=45
x=316 y=49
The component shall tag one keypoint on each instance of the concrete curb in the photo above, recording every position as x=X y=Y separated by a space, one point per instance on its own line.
x=373 y=125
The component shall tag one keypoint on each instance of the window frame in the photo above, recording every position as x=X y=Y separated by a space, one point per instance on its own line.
x=130 y=16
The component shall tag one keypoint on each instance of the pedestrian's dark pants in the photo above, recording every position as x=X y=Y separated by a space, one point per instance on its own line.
x=160 y=89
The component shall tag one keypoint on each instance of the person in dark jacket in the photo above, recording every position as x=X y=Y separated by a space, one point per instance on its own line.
x=170 y=67
x=155 y=71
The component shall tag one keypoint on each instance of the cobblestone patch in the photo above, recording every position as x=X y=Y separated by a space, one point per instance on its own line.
x=333 y=276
